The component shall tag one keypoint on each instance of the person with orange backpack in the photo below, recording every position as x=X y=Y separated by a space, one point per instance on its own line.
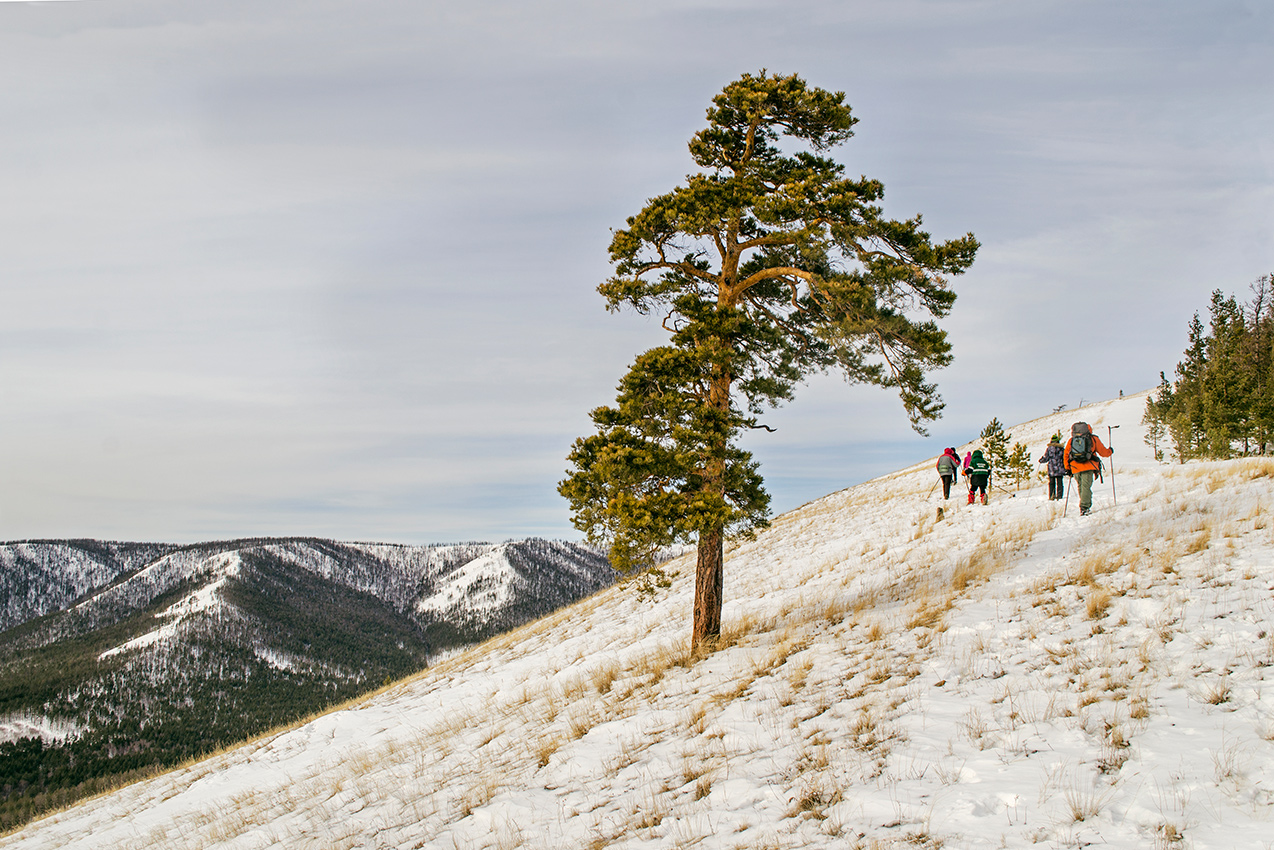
x=1082 y=458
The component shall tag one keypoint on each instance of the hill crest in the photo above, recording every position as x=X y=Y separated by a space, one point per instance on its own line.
x=1004 y=676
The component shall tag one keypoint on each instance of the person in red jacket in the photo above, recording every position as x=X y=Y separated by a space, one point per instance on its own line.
x=1082 y=460
x=948 y=468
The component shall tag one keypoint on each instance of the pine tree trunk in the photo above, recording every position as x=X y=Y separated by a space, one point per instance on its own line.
x=710 y=567
x=709 y=579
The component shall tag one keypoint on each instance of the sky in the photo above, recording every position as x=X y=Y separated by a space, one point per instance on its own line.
x=328 y=268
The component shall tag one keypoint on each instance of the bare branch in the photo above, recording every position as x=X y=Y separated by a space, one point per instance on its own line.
x=777 y=271
x=884 y=353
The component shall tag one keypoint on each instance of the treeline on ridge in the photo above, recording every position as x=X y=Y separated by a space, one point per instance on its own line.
x=1221 y=402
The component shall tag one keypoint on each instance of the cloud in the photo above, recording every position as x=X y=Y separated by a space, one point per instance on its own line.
x=326 y=265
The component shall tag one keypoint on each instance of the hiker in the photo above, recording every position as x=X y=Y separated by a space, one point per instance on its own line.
x=1054 y=456
x=948 y=468
x=1082 y=458
x=978 y=471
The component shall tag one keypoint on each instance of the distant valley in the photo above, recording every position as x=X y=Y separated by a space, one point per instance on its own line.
x=117 y=658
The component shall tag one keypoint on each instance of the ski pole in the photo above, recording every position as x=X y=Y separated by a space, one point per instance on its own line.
x=1113 y=498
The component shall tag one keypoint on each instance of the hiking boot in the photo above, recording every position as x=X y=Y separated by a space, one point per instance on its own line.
x=1084 y=511
x=970 y=497
x=984 y=498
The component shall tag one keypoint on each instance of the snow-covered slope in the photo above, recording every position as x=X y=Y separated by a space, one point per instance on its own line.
x=38 y=577
x=1001 y=677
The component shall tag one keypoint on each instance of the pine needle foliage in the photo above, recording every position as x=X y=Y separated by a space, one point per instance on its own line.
x=1018 y=466
x=995 y=444
x=767 y=265
x=1221 y=403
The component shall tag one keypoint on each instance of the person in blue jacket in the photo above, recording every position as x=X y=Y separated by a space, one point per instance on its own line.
x=1054 y=456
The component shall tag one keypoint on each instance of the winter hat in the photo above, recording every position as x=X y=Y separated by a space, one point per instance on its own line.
x=1056 y=439
x=977 y=454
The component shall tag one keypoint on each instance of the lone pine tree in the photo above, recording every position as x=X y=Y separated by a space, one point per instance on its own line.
x=767 y=265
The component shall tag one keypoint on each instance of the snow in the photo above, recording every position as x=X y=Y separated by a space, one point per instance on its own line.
x=480 y=585
x=1005 y=676
x=14 y=727
x=206 y=598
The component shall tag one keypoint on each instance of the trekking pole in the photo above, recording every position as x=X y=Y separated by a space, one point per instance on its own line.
x=931 y=489
x=1113 y=498
x=1066 y=504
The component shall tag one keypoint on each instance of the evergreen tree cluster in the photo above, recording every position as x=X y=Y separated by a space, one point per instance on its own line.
x=1013 y=464
x=1221 y=402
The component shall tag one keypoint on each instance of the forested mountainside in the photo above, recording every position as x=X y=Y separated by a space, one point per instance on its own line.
x=39 y=577
x=120 y=657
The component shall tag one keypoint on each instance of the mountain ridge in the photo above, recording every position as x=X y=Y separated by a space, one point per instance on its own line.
x=161 y=652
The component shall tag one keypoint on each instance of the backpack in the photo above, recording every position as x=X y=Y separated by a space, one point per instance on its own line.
x=1081 y=443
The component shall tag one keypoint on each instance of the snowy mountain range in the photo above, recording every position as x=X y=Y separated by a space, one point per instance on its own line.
x=889 y=676
x=120 y=657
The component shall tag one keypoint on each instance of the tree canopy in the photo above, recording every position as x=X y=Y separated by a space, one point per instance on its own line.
x=1222 y=400
x=765 y=266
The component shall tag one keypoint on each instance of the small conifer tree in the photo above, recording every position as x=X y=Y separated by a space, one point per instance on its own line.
x=995 y=445
x=1154 y=417
x=1018 y=467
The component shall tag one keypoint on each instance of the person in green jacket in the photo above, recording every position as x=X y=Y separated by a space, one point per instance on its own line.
x=978 y=472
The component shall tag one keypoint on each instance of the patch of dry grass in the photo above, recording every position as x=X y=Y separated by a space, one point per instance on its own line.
x=1098 y=603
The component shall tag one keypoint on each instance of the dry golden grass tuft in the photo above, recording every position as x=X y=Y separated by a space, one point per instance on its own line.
x=1196 y=542
x=544 y=746
x=930 y=613
x=648 y=814
x=581 y=719
x=975 y=569
x=481 y=787
x=1170 y=835
x=1098 y=564
x=875 y=632
x=1085 y=801
x=1115 y=749
x=1139 y=706
x=798 y=673
x=816 y=794
x=666 y=657
x=1098 y=602
x=1216 y=692
x=602 y=677
x=994 y=550
x=630 y=750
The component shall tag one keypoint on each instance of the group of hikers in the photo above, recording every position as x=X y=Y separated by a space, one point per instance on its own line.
x=1080 y=458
